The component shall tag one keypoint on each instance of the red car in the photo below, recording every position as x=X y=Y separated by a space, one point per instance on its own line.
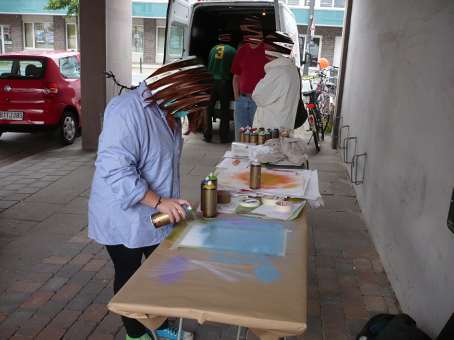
x=40 y=91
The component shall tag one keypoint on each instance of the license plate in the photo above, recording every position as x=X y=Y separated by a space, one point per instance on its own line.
x=10 y=115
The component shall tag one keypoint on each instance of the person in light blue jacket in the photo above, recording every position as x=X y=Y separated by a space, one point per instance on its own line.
x=137 y=174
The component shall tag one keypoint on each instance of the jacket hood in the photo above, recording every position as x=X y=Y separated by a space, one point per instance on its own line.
x=279 y=62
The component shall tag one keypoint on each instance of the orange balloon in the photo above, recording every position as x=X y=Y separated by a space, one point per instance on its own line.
x=323 y=62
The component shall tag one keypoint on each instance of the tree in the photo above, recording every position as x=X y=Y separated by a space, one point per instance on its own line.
x=72 y=6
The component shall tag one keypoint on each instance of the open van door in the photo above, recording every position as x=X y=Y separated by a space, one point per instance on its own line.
x=177 y=29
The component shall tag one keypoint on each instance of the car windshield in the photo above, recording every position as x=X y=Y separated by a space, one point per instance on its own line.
x=21 y=69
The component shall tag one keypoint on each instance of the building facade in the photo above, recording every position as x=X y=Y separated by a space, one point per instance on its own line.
x=28 y=25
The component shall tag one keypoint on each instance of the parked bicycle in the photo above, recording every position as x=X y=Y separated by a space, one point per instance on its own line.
x=313 y=113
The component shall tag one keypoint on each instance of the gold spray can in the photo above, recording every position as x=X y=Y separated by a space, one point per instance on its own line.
x=261 y=138
x=209 y=200
x=254 y=138
x=255 y=177
x=242 y=138
x=160 y=219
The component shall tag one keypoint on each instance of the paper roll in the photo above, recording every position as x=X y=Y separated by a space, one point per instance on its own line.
x=250 y=203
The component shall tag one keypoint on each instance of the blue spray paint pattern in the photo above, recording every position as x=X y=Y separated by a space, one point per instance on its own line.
x=238 y=234
x=264 y=269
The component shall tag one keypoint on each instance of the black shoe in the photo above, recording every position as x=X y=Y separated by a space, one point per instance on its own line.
x=207 y=139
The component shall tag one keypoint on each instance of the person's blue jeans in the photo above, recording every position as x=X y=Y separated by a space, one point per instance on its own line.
x=244 y=114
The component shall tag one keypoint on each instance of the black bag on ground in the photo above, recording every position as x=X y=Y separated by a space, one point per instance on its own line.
x=301 y=113
x=391 y=327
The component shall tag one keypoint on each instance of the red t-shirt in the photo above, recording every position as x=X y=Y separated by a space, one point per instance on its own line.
x=249 y=64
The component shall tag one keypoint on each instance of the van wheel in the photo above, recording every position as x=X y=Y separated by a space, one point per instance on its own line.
x=68 y=128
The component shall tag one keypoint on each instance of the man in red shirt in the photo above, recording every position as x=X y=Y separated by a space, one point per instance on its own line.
x=248 y=68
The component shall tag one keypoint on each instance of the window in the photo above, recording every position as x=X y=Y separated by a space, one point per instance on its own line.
x=307 y=3
x=5 y=38
x=71 y=36
x=137 y=38
x=326 y=3
x=293 y=2
x=176 y=41
x=21 y=69
x=39 y=35
x=315 y=48
x=69 y=67
x=160 y=42
x=339 y=3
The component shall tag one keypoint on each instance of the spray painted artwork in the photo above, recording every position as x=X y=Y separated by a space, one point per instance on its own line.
x=281 y=183
x=236 y=234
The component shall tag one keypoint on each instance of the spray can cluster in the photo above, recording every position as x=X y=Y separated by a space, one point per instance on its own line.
x=257 y=136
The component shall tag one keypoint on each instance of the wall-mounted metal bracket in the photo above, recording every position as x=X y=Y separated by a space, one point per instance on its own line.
x=346 y=148
x=354 y=165
x=341 y=135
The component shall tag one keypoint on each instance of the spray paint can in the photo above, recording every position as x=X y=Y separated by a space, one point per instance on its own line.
x=160 y=219
x=205 y=180
x=275 y=133
x=213 y=178
x=261 y=138
x=253 y=138
x=247 y=135
x=255 y=177
x=268 y=134
x=209 y=199
x=242 y=129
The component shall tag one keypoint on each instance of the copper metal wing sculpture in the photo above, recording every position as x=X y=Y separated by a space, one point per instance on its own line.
x=182 y=85
x=278 y=44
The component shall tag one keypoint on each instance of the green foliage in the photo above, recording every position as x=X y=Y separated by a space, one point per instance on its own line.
x=72 y=6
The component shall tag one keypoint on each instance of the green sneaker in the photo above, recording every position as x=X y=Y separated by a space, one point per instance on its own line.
x=146 y=336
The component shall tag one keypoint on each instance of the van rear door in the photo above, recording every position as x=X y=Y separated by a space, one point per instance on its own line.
x=177 y=29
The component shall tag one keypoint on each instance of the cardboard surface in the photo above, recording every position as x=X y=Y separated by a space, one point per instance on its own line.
x=267 y=294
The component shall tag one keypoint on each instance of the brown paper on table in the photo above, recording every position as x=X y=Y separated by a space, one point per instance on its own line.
x=271 y=310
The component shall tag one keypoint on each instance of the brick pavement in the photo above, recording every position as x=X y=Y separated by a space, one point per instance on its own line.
x=55 y=283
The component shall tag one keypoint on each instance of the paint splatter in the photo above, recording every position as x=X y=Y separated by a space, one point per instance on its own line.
x=172 y=270
x=270 y=180
x=264 y=270
x=267 y=273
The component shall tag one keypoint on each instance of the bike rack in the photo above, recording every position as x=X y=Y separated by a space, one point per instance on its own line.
x=347 y=147
x=341 y=142
x=354 y=168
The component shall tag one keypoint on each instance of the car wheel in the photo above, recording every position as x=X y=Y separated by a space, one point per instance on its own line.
x=68 y=128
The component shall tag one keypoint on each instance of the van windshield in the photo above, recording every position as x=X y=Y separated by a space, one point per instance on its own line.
x=21 y=69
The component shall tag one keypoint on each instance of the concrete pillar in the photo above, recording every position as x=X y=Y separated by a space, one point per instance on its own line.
x=105 y=45
x=59 y=33
x=149 y=41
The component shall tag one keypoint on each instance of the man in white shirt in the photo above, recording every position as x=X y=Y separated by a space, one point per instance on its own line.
x=278 y=93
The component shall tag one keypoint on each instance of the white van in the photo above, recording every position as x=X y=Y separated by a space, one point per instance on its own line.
x=192 y=27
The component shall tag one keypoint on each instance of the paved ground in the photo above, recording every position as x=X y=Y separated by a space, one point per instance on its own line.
x=55 y=283
x=16 y=146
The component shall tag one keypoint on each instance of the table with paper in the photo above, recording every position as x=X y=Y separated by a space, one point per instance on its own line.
x=232 y=269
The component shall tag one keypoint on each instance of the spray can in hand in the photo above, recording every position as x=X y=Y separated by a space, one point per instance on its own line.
x=161 y=219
